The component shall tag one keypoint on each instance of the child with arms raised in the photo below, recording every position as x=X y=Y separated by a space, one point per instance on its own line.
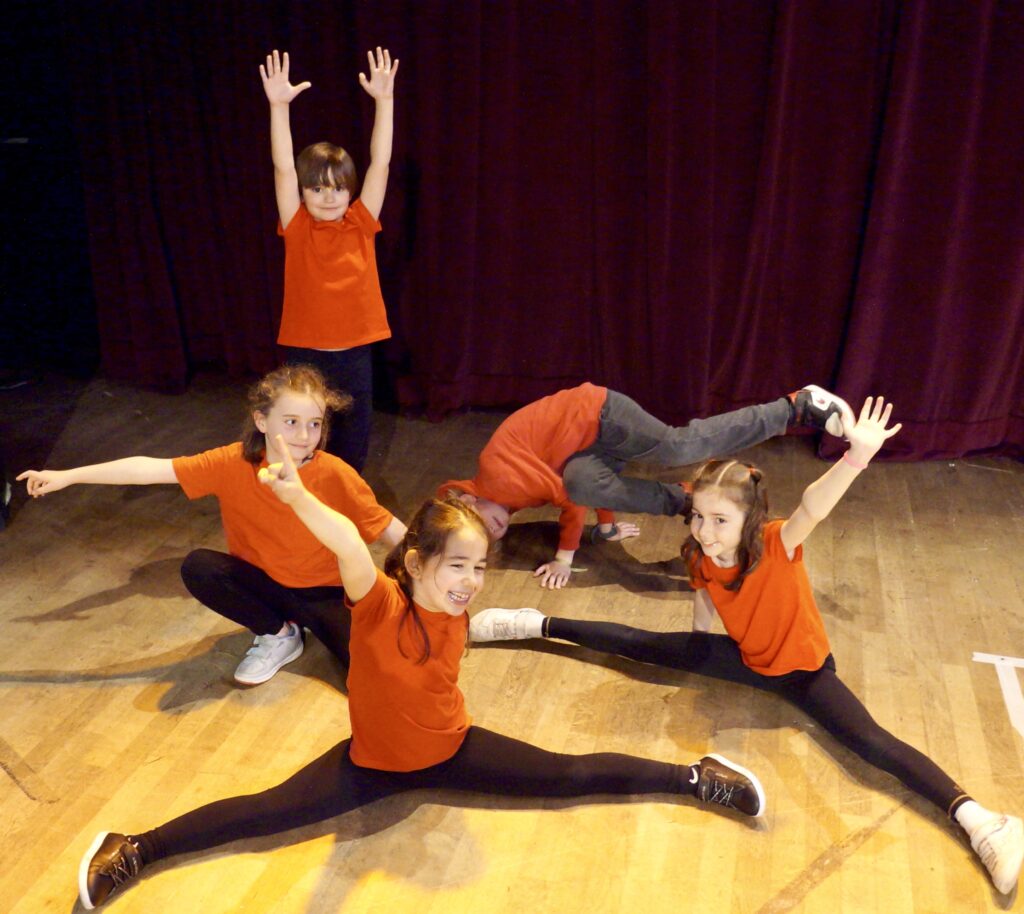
x=750 y=570
x=410 y=728
x=276 y=577
x=333 y=308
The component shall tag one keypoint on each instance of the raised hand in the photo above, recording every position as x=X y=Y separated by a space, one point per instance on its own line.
x=381 y=83
x=870 y=431
x=275 y=80
x=42 y=482
x=283 y=478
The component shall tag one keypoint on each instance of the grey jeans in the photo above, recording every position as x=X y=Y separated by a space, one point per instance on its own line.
x=627 y=432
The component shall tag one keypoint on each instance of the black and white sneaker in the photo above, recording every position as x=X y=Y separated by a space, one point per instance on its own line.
x=817 y=408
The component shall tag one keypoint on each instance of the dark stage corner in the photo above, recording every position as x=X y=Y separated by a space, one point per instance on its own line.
x=49 y=345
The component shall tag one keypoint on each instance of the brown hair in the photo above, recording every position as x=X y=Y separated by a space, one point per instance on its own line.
x=300 y=379
x=326 y=165
x=742 y=484
x=428 y=533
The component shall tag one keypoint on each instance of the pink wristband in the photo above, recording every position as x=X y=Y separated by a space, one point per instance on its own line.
x=853 y=463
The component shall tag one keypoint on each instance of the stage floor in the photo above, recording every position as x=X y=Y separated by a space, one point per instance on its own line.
x=119 y=710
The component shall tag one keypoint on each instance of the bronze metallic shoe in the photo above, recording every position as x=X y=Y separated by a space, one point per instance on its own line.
x=110 y=862
x=727 y=784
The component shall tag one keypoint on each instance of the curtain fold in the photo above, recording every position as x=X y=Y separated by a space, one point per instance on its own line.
x=702 y=205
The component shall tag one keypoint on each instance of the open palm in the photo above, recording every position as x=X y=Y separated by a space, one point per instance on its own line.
x=275 y=80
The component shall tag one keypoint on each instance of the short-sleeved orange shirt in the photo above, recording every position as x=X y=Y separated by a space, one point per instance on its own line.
x=405 y=715
x=264 y=531
x=772 y=617
x=332 y=297
x=521 y=466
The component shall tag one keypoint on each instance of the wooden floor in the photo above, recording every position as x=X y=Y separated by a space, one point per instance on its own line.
x=119 y=710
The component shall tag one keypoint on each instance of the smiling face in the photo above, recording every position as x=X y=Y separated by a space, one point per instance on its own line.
x=299 y=419
x=325 y=203
x=717 y=525
x=447 y=583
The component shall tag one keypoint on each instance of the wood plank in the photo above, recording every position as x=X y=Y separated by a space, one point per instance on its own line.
x=120 y=711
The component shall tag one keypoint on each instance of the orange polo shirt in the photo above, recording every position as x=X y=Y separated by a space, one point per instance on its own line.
x=521 y=466
x=772 y=617
x=332 y=297
x=264 y=531
x=405 y=715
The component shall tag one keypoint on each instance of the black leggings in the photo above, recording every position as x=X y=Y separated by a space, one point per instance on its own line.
x=249 y=596
x=486 y=763
x=820 y=694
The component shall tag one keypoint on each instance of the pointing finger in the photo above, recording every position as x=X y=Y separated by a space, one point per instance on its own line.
x=288 y=464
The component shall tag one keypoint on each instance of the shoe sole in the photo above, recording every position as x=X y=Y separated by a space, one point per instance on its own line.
x=762 y=802
x=83 y=871
x=833 y=419
x=294 y=655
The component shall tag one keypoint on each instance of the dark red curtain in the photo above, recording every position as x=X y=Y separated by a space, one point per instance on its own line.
x=700 y=204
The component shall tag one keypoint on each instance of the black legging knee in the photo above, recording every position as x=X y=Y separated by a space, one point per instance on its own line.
x=247 y=595
x=487 y=762
x=819 y=693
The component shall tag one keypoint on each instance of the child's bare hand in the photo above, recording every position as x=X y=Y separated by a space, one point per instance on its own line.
x=625 y=531
x=553 y=575
x=42 y=482
x=275 y=80
x=283 y=478
x=381 y=83
x=870 y=431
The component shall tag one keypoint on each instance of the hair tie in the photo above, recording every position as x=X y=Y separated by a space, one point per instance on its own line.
x=847 y=459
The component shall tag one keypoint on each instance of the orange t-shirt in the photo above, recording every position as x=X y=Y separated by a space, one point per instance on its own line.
x=264 y=531
x=332 y=297
x=405 y=715
x=521 y=466
x=772 y=617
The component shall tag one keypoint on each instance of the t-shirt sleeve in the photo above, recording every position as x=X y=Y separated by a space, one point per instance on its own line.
x=300 y=218
x=377 y=601
x=359 y=215
x=773 y=547
x=570 y=523
x=454 y=487
x=351 y=496
x=201 y=474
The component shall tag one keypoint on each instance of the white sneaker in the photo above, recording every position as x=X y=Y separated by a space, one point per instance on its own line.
x=1000 y=844
x=506 y=625
x=268 y=654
